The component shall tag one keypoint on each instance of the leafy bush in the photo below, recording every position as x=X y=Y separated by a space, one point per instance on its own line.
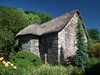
x=75 y=70
x=68 y=61
x=93 y=67
x=93 y=33
x=92 y=62
x=94 y=50
x=57 y=70
x=65 y=62
x=25 y=58
x=98 y=41
x=90 y=42
x=19 y=71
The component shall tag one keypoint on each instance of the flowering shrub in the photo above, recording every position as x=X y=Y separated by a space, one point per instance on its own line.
x=6 y=67
x=68 y=60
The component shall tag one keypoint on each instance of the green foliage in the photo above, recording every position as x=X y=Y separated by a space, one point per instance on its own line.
x=19 y=71
x=24 y=60
x=81 y=57
x=43 y=17
x=12 y=20
x=47 y=69
x=93 y=67
x=94 y=50
x=75 y=70
x=92 y=62
x=65 y=62
x=97 y=41
x=90 y=42
x=29 y=57
x=22 y=64
x=34 y=18
x=68 y=61
x=94 y=33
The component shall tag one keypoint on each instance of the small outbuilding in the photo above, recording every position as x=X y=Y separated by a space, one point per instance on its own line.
x=53 y=40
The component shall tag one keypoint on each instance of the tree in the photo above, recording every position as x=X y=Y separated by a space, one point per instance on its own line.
x=43 y=17
x=12 y=20
x=32 y=12
x=34 y=18
x=27 y=12
x=81 y=57
x=94 y=33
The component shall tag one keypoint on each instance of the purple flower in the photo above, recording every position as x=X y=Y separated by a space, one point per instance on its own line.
x=10 y=68
x=69 y=62
x=17 y=65
x=0 y=50
x=14 y=73
x=10 y=72
x=65 y=60
x=2 y=74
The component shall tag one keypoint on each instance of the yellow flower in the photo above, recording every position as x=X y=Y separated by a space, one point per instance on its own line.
x=12 y=65
x=3 y=62
x=6 y=65
x=15 y=67
x=1 y=58
x=8 y=62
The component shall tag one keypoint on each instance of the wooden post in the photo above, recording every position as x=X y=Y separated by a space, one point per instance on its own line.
x=45 y=58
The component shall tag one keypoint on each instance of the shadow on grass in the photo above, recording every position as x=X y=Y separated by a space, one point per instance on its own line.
x=94 y=70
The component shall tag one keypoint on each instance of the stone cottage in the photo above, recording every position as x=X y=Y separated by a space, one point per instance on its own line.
x=53 y=40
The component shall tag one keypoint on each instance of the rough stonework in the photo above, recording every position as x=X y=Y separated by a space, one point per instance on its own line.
x=52 y=46
x=53 y=40
x=49 y=46
x=67 y=38
x=30 y=43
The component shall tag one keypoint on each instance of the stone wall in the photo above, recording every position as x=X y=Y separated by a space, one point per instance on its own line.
x=67 y=39
x=52 y=56
x=41 y=45
x=49 y=45
x=29 y=43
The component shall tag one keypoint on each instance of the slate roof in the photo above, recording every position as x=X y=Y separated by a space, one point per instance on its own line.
x=51 y=26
